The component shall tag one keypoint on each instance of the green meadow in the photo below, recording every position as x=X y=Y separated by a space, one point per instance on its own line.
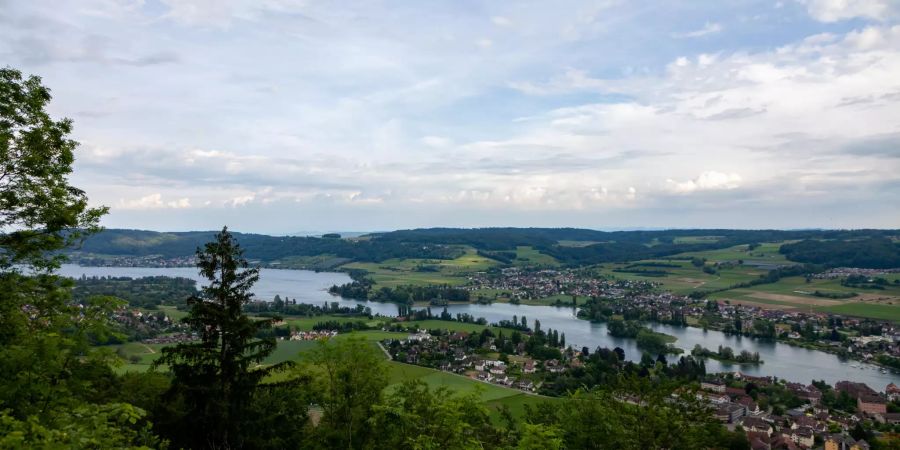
x=396 y=272
x=493 y=395
x=529 y=256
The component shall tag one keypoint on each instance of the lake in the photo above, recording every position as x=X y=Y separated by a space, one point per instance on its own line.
x=781 y=360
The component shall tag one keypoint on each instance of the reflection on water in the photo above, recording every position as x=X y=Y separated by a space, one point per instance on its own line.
x=781 y=360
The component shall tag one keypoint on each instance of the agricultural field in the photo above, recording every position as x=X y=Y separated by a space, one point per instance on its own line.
x=528 y=256
x=453 y=325
x=794 y=293
x=318 y=262
x=764 y=255
x=696 y=239
x=396 y=272
x=684 y=278
x=493 y=395
x=565 y=243
x=171 y=311
x=307 y=323
x=870 y=310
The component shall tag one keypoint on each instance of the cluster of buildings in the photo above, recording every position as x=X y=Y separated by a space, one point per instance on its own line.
x=457 y=353
x=146 y=326
x=312 y=335
x=802 y=427
x=843 y=272
x=172 y=338
x=135 y=261
x=522 y=284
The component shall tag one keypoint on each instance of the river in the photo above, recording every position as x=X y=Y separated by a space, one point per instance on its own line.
x=781 y=360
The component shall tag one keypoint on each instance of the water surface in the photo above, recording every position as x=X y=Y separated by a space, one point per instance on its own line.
x=781 y=360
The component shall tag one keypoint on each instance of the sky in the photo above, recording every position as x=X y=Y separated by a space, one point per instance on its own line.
x=289 y=116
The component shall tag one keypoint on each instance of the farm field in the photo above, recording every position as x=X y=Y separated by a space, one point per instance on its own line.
x=696 y=239
x=567 y=243
x=870 y=310
x=395 y=272
x=171 y=311
x=528 y=256
x=493 y=395
x=307 y=323
x=685 y=278
x=794 y=293
x=765 y=254
x=452 y=325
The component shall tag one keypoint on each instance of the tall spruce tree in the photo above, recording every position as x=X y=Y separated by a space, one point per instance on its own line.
x=215 y=378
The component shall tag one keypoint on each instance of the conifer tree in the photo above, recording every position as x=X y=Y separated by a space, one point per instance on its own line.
x=215 y=378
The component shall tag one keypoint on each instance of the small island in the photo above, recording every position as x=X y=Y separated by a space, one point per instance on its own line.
x=647 y=340
x=726 y=355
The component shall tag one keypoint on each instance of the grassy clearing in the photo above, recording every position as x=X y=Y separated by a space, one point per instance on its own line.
x=516 y=403
x=685 y=278
x=171 y=311
x=528 y=256
x=494 y=396
x=797 y=293
x=307 y=323
x=396 y=272
x=868 y=310
x=455 y=326
x=696 y=239
x=321 y=262
x=567 y=243
x=766 y=253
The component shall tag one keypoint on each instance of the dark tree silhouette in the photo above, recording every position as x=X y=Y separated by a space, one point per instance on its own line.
x=215 y=378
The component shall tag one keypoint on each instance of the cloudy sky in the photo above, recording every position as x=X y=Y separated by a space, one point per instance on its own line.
x=283 y=116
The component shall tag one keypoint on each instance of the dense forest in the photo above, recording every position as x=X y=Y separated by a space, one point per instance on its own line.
x=871 y=252
x=852 y=248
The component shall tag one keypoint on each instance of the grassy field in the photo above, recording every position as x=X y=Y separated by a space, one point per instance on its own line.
x=395 y=272
x=493 y=395
x=455 y=326
x=528 y=256
x=794 y=293
x=170 y=311
x=516 y=403
x=307 y=323
x=685 y=278
x=765 y=254
x=696 y=239
x=871 y=310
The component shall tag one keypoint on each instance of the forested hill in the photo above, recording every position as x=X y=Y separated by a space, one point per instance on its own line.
x=257 y=246
x=574 y=246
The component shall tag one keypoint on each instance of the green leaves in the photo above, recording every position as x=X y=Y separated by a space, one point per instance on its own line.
x=40 y=212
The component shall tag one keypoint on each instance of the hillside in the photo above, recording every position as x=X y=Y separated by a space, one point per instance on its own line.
x=569 y=246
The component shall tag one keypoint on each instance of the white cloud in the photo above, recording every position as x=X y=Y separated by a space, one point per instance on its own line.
x=501 y=21
x=708 y=28
x=241 y=200
x=436 y=141
x=221 y=13
x=707 y=181
x=484 y=43
x=837 y=10
x=154 y=201
x=569 y=108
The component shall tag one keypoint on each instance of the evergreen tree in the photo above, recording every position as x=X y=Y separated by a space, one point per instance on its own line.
x=215 y=378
